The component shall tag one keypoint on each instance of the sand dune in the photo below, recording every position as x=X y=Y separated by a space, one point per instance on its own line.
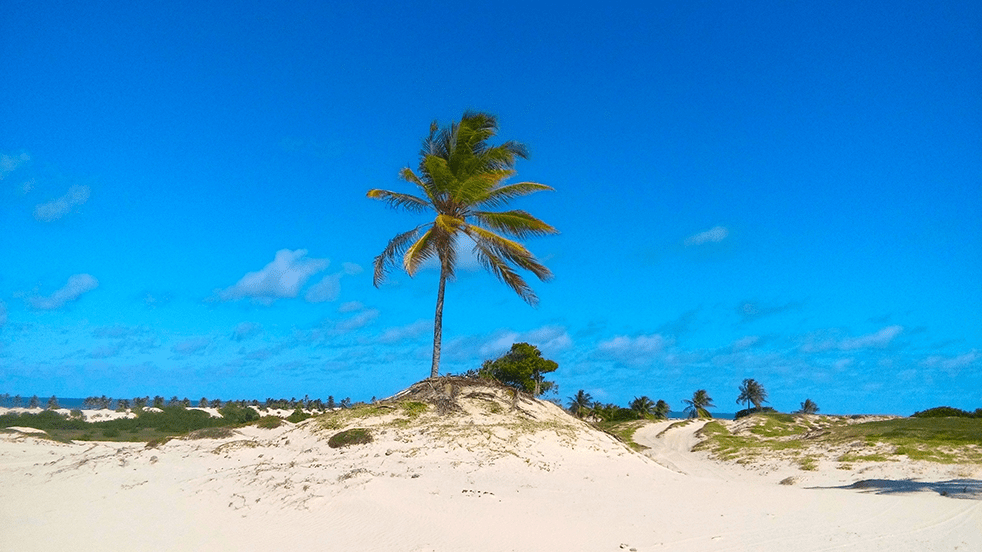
x=498 y=474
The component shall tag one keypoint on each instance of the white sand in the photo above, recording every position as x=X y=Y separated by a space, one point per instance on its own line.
x=481 y=481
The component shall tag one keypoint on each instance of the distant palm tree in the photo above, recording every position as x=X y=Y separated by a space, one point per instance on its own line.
x=643 y=407
x=579 y=404
x=698 y=404
x=751 y=391
x=808 y=407
x=459 y=176
x=661 y=409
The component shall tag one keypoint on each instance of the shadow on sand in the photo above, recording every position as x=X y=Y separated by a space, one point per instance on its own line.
x=953 y=488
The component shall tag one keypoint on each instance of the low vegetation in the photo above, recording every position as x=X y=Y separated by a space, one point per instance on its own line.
x=147 y=425
x=800 y=439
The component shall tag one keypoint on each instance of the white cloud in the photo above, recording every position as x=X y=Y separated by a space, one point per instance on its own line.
x=715 y=234
x=406 y=333
x=329 y=288
x=191 y=346
x=350 y=306
x=55 y=209
x=633 y=350
x=549 y=339
x=9 y=163
x=280 y=279
x=357 y=321
x=953 y=364
x=879 y=339
x=352 y=269
x=76 y=286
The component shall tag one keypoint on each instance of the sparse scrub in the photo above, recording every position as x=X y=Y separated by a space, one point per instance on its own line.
x=354 y=436
x=269 y=422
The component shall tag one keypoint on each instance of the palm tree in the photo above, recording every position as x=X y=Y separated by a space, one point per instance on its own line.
x=643 y=407
x=459 y=176
x=808 y=407
x=579 y=404
x=751 y=391
x=698 y=404
x=661 y=409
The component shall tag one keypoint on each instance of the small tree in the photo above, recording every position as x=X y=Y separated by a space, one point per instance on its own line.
x=808 y=407
x=521 y=367
x=698 y=404
x=579 y=404
x=661 y=410
x=35 y=402
x=53 y=403
x=643 y=407
x=751 y=391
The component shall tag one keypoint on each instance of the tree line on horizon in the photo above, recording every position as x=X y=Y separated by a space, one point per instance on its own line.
x=104 y=402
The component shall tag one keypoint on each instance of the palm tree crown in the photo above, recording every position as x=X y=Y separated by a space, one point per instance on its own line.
x=809 y=407
x=751 y=391
x=460 y=176
x=579 y=404
x=643 y=407
x=698 y=404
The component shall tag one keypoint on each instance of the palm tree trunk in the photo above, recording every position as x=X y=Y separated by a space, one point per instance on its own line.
x=438 y=324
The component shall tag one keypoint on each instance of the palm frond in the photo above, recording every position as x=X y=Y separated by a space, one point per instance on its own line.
x=395 y=247
x=508 y=192
x=400 y=201
x=510 y=250
x=419 y=252
x=515 y=223
x=495 y=264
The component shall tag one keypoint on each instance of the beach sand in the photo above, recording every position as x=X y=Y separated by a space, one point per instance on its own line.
x=497 y=475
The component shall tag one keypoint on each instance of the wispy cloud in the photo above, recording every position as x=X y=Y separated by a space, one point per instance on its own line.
x=713 y=235
x=9 y=163
x=57 y=208
x=77 y=285
x=877 y=340
x=953 y=364
x=329 y=288
x=633 y=350
x=745 y=342
x=246 y=330
x=549 y=339
x=754 y=310
x=406 y=333
x=280 y=279
x=194 y=346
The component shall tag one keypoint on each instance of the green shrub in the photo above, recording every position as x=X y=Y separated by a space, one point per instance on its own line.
x=235 y=414
x=269 y=422
x=354 y=436
x=211 y=433
x=110 y=432
x=297 y=416
x=947 y=412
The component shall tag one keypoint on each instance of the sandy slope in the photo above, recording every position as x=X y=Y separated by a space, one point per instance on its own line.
x=488 y=478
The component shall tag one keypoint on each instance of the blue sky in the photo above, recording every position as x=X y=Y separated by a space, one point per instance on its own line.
x=783 y=191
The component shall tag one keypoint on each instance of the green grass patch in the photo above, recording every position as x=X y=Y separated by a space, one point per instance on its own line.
x=269 y=422
x=353 y=436
x=624 y=431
